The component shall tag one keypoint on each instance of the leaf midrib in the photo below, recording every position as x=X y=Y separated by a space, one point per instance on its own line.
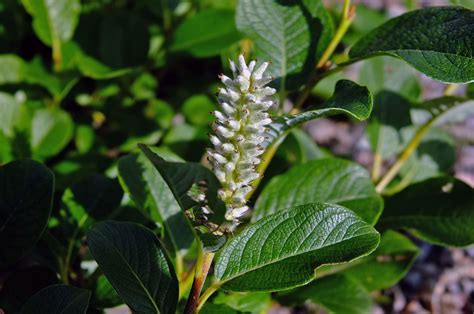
x=221 y=282
x=132 y=272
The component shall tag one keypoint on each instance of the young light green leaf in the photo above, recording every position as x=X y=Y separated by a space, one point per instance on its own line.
x=292 y=35
x=387 y=265
x=134 y=261
x=26 y=194
x=51 y=130
x=9 y=114
x=336 y=293
x=437 y=41
x=12 y=69
x=58 y=299
x=153 y=196
x=207 y=33
x=282 y=250
x=438 y=210
x=54 y=20
x=325 y=180
x=348 y=98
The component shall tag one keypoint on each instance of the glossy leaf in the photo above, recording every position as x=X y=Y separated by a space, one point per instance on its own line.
x=348 y=98
x=387 y=265
x=328 y=180
x=51 y=130
x=54 y=20
x=58 y=299
x=336 y=293
x=26 y=193
x=421 y=38
x=207 y=33
x=281 y=250
x=135 y=263
x=292 y=35
x=438 y=210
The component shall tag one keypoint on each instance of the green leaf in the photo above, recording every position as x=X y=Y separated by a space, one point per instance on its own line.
x=9 y=114
x=104 y=295
x=253 y=302
x=57 y=299
x=292 y=35
x=149 y=190
x=292 y=243
x=51 y=131
x=55 y=20
x=328 y=180
x=437 y=41
x=12 y=69
x=188 y=182
x=206 y=34
x=196 y=110
x=95 y=196
x=387 y=265
x=26 y=193
x=438 y=210
x=391 y=114
x=115 y=41
x=390 y=74
x=336 y=293
x=299 y=148
x=348 y=98
x=134 y=261
x=435 y=155
x=84 y=138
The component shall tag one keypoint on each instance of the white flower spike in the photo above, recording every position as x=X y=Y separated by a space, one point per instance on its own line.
x=239 y=132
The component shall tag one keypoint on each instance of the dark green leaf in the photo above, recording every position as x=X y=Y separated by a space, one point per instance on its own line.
x=94 y=198
x=151 y=193
x=437 y=41
x=292 y=35
x=188 y=182
x=26 y=193
x=211 y=308
x=438 y=210
x=387 y=265
x=51 y=130
x=326 y=180
x=58 y=299
x=348 y=98
x=336 y=293
x=136 y=265
x=292 y=243
x=207 y=33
